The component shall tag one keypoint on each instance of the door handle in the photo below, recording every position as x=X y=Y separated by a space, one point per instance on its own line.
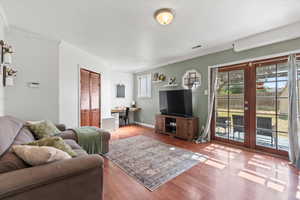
x=246 y=108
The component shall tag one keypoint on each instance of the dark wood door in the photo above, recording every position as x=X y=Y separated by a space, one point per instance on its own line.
x=84 y=98
x=90 y=114
x=95 y=99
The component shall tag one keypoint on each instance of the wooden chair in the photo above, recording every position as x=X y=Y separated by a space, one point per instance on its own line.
x=238 y=124
x=223 y=122
x=264 y=127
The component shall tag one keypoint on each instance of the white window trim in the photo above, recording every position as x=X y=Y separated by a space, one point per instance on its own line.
x=148 y=93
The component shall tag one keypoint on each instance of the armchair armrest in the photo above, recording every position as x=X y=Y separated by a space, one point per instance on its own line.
x=77 y=178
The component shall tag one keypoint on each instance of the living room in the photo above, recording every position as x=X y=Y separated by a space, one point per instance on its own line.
x=149 y=100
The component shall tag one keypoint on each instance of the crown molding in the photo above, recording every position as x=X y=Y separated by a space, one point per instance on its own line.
x=205 y=52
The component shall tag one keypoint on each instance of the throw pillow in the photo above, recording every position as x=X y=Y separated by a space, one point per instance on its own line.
x=34 y=155
x=56 y=142
x=43 y=128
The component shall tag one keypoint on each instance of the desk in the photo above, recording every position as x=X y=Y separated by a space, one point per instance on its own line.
x=121 y=110
x=115 y=112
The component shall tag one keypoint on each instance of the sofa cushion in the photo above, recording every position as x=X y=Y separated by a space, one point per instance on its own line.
x=72 y=144
x=43 y=129
x=25 y=136
x=35 y=155
x=69 y=134
x=9 y=129
x=10 y=162
x=56 y=142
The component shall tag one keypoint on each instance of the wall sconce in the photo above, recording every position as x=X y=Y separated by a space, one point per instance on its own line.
x=6 y=60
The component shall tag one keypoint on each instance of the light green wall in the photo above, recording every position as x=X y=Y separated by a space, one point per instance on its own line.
x=150 y=106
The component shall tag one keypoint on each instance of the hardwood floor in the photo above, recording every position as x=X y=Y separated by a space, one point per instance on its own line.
x=229 y=174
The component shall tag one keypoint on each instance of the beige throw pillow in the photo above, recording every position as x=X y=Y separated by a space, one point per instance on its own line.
x=35 y=155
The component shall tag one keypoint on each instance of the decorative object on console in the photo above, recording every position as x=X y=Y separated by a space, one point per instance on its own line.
x=120 y=91
x=191 y=79
x=162 y=77
x=158 y=77
x=6 y=59
x=171 y=82
x=155 y=76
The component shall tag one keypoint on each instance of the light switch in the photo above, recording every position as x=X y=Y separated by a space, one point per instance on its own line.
x=205 y=92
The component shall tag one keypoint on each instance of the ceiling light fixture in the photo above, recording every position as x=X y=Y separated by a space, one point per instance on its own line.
x=164 y=16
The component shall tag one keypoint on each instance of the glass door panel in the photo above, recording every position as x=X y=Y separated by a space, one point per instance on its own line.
x=272 y=106
x=229 y=106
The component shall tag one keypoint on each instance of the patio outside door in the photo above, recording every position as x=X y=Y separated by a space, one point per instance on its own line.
x=251 y=107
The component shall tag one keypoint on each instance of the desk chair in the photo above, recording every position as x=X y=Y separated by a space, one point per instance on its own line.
x=125 y=116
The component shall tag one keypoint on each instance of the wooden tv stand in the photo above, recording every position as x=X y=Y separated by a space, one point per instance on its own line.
x=181 y=127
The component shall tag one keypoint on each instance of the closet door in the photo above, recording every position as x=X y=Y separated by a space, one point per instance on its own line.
x=90 y=98
x=95 y=99
x=84 y=98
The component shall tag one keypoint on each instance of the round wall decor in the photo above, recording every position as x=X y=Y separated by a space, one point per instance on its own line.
x=191 y=79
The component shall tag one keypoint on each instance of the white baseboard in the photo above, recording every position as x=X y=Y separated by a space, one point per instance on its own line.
x=144 y=124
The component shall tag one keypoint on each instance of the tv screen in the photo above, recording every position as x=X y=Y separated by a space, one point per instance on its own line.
x=176 y=102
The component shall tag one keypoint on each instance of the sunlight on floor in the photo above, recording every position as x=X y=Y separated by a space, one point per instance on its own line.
x=258 y=165
x=219 y=164
x=215 y=164
x=223 y=151
x=262 y=179
x=251 y=177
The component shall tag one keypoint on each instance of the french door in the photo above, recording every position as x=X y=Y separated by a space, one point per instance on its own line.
x=251 y=105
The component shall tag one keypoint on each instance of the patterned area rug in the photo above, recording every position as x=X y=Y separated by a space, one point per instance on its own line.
x=151 y=162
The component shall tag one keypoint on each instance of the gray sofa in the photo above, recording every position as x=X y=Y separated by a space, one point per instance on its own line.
x=77 y=178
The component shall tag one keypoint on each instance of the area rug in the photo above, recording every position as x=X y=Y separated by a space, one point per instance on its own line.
x=151 y=162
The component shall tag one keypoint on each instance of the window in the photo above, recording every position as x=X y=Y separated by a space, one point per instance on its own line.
x=144 y=86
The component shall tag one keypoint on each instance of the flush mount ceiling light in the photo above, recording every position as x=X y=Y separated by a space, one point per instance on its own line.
x=164 y=16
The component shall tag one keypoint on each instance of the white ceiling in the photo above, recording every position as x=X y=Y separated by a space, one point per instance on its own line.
x=124 y=32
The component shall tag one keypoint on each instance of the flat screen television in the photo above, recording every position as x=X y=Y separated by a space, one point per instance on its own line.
x=176 y=102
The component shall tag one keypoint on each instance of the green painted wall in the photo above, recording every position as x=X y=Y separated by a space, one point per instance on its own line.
x=150 y=106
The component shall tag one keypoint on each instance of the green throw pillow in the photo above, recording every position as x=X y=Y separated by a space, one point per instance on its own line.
x=43 y=129
x=56 y=142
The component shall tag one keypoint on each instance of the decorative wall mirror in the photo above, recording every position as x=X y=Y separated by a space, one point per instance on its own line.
x=120 y=91
x=191 y=79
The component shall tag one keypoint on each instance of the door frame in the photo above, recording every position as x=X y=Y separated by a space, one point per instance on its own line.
x=79 y=93
x=247 y=122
